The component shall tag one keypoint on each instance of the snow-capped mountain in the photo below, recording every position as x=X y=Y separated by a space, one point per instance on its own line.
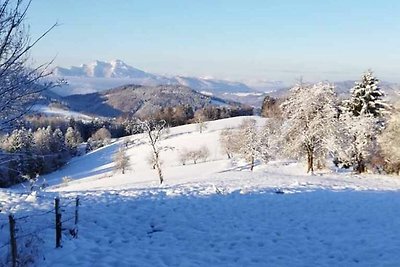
x=102 y=69
x=100 y=75
x=212 y=86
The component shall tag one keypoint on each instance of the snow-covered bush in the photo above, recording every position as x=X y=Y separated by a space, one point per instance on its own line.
x=66 y=179
x=389 y=142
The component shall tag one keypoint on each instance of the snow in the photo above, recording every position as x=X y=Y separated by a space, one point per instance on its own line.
x=59 y=112
x=214 y=213
x=246 y=94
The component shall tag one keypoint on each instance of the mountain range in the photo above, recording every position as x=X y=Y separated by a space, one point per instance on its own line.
x=101 y=75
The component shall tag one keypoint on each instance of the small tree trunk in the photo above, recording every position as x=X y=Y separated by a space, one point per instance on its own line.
x=360 y=168
x=252 y=164
x=310 y=161
x=13 y=241
x=160 y=175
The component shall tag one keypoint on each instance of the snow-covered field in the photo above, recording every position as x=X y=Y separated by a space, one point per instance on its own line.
x=214 y=213
x=53 y=111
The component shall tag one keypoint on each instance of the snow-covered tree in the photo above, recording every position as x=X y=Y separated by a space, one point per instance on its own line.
x=201 y=121
x=132 y=126
x=366 y=97
x=100 y=138
x=354 y=140
x=361 y=119
x=57 y=144
x=249 y=141
x=229 y=142
x=72 y=140
x=194 y=155
x=121 y=160
x=270 y=139
x=19 y=83
x=21 y=141
x=310 y=113
x=42 y=140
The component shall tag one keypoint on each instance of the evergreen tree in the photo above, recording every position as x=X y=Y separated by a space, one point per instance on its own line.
x=361 y=121
x=366 y=97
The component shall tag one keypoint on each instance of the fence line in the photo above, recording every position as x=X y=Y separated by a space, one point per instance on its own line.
x=18 y=233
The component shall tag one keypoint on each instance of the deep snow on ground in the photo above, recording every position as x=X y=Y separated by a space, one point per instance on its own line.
x=214 y=213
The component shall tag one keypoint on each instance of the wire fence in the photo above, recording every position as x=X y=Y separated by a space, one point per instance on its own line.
x=20 y=231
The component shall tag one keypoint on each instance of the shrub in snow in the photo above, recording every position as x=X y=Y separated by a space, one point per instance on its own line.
x=66 y=179
x=310 y=113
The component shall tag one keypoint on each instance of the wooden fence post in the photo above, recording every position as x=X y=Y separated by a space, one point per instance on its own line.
x=58 y=222
x=76 y=216
x=13 y=240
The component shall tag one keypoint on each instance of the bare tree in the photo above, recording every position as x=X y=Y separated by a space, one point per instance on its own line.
x=19 y=83
x=121 y=160
x=229 y=141
x=194 y=155
x=153 y=131
x=200 y=119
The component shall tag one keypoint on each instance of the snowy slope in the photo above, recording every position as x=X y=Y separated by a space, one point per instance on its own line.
x=214 y=213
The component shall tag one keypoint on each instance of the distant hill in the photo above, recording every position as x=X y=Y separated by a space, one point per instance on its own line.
x=141 y=100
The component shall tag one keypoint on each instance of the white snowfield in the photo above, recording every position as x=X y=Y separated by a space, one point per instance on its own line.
x=60 y=112
x=213 y=213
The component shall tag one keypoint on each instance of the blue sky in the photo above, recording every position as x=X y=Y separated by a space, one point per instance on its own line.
x=237 y=40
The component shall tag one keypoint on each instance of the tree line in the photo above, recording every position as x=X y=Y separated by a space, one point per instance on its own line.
x=361 y=132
